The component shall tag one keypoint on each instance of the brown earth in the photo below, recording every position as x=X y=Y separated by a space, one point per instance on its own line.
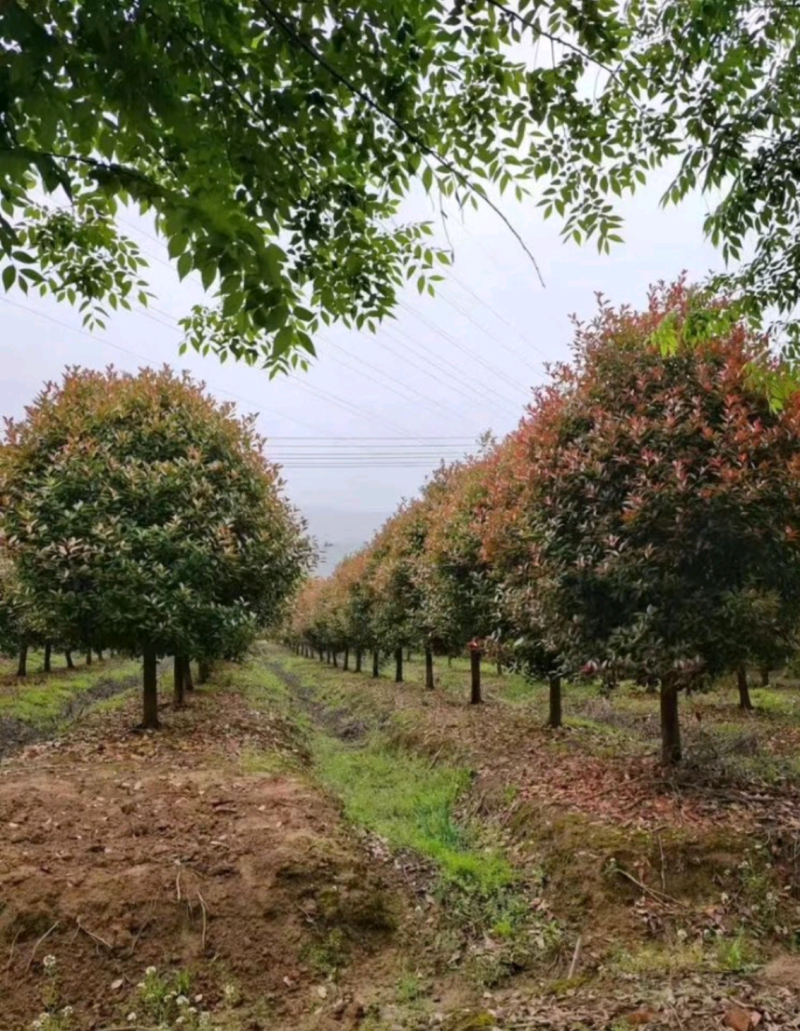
x=120 y=851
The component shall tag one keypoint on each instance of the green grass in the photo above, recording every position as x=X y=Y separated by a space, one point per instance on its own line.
x=41 y=700
x=409 y=803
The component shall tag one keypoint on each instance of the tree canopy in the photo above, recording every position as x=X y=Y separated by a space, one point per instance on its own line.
x=272 y=142
x=143 y=516
x=275 y=143
x=643 y=520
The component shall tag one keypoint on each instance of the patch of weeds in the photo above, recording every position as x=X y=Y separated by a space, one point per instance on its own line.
x=410 y=989
x=328 y=954
x=54 y=1017
x=736 y=955
x=661 y=959
x=268 y=763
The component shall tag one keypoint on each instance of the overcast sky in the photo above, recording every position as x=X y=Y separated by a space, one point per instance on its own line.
x=450 y=367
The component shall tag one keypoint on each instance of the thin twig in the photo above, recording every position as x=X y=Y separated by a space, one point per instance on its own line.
x=38 y=943
x=663 y=872
x=660 y=896
x=11 y=951
x=576 y=955
x=178 y=885
x=95 y=937
x=205 y=920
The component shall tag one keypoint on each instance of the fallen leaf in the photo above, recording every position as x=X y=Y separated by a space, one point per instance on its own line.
x=641 y=1016
x=737 y=1018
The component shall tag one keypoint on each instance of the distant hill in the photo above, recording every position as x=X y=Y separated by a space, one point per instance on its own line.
x=344 y=531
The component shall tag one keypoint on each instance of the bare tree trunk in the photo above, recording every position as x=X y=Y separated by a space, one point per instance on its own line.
x=475 y=676
x=150 y=685
x=203 y=671
x=408 y=655
x=68 y=657
x=321 y=655
x=670 y=723
x=499 y=668
x=398 y=666
x=554 y=682
x=359 y=656
x=179 y=684
x=744 y=689
x=188 y=679
x=22 y=665
x=765 y=676
x=429 y=668
x=48 y=654
x=100 y=655
x=335 y=660
x=376 y=664
x=449 y=661
x=346 y=663
x=89 y=657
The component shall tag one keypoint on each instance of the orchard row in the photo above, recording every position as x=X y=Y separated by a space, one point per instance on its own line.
x=642 y=522
x=140 y=515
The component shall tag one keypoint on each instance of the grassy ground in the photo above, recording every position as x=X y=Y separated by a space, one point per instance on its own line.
x=639 y=875
x=307 y=848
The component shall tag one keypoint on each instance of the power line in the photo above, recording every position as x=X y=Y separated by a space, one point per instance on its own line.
x=482 y=387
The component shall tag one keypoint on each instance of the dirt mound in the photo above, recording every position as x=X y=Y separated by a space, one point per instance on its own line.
x=123 y=851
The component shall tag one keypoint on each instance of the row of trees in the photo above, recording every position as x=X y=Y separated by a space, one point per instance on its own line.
x=643 y=521
x=140 y=515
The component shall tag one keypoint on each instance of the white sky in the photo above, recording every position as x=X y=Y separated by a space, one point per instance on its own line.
x=491 y=327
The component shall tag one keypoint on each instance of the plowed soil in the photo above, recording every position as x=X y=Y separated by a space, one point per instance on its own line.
x=121 y=851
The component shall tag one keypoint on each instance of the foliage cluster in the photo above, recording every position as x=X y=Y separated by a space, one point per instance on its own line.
x=642 y=521
x=140 y=515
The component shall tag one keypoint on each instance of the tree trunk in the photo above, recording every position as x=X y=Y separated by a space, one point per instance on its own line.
x=744 y=690
x=499 y=668
x=408 y=655
x=398 y=666
x=203 y=671
x=22 y=665
x=100 y=655
x=179 y=684
x=475 y=678
x=150 y=684
x=449 y=661
x=321 y=655
x=89 y=657
x=555 y=700
x=429 y=668
x=670 y=724
x=765 y=676
x=188 y=679
x=48 y=653
x=335 y=660
x=376 y=665
x=68 y=657
x=346 y=663
x=359 y=657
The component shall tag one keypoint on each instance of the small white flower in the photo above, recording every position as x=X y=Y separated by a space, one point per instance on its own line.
x=67 y=1011
x=682 y=935
x=49 y=962
x=182 y=1000
x=131 y=1017
x=150 y=971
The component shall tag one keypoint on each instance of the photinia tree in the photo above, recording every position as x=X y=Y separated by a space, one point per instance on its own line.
x=459 y=585
x=662 y=492
x=143 y=516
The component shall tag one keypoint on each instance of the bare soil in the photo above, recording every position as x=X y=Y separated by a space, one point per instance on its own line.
x=120 y=851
